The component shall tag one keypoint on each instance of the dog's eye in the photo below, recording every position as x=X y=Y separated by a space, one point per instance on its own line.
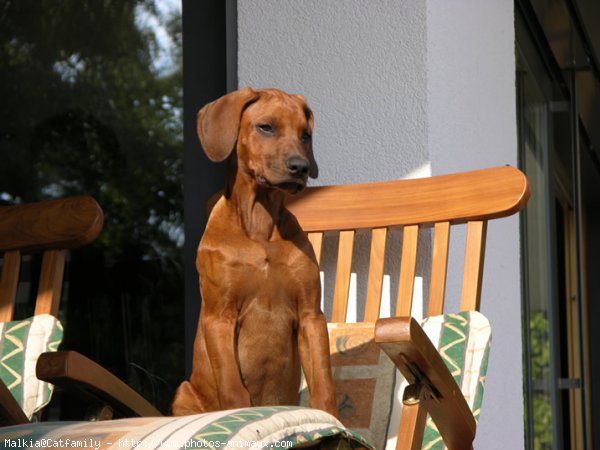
x=305 y=137
x=265 y=128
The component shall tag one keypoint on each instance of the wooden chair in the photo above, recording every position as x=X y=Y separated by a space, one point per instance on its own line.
x=436 y=203
x=53 y=227
x=377 y=209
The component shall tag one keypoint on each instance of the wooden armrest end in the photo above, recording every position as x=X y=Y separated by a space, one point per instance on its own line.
x=73 y=371
x=407 y=345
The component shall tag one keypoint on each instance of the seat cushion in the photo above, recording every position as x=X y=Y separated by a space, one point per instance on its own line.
x=263 y=427
x=21 y=343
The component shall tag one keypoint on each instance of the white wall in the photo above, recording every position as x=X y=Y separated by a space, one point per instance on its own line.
x=350 y=60
x=472 y=124
x=401 y=89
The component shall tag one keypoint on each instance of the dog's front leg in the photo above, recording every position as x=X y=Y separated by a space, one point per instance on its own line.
x=313 y=344
x=221 y=350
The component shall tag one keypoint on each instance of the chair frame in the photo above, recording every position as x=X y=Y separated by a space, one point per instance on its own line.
x=54 y=227
x=437 y=203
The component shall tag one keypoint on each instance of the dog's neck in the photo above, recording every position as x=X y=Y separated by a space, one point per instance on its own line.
x=258 y=208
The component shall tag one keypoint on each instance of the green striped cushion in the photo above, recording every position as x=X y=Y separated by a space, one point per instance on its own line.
x=463 y=340
x=21 y=343
x=262 y=427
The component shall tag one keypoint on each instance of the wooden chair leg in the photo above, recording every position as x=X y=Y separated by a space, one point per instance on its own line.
x=10 y=410
x=414 y=415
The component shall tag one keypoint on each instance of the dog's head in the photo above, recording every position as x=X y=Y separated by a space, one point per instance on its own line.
x=271 y=132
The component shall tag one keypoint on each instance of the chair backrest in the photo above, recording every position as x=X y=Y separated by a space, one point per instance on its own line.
x=51 y=227
x=438 y=203
x=379 y=209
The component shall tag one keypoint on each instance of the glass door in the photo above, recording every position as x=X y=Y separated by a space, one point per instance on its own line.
x=543 y=421
x=563 y=177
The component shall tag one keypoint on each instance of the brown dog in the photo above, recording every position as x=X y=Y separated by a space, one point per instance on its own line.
x=259 y=277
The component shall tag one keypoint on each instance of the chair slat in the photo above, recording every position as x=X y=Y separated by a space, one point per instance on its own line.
x=375 y=280
x=11 y=265
x=408 y=265
x=473 y=266
x=439 y=268
x=342 y=276
x=316 y=239
x=51 y=277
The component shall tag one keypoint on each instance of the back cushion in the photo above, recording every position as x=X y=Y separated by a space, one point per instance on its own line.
x=21 y=343
x=369 y=388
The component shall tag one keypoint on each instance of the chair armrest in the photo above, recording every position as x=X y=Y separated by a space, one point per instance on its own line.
x=10 y=410
x=73 y=371
x=407 y=345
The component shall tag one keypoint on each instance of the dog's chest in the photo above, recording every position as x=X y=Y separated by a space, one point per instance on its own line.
x=248 y=267
x=275 y=267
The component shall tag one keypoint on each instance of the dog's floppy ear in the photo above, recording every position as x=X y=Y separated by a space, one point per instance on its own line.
x=218 y=123
x=314 y=169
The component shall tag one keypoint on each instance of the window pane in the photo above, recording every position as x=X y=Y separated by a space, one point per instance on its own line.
x=92 y=104
x=534 y=142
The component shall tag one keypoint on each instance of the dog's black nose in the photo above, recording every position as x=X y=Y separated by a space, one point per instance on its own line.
x=297 y=166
